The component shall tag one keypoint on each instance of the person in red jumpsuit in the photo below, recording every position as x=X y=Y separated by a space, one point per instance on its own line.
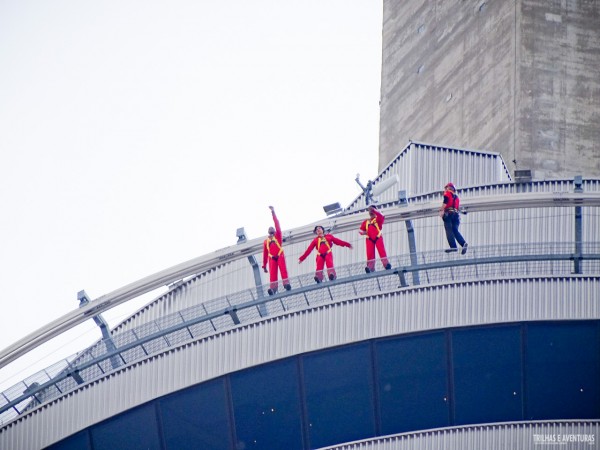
x=323 y=244
x=371 y=230
x=273 y=254
x=449 y=213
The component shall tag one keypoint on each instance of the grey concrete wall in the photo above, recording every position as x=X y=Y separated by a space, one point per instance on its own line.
x=559 y=96
x=519 y=77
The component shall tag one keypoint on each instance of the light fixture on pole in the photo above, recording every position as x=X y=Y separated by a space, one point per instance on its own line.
x=333 y=208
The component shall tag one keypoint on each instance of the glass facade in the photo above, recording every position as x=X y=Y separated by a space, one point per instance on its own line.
x=136 y=428
x=527 y=371
x=266 y=401
x=487 y=371
x=563 y=371
x=338 y=387
x=196 y=417
x=412 y=382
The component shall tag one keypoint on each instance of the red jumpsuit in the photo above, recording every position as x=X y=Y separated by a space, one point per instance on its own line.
x=273 y=252
x=374 y=239
x=324 y=254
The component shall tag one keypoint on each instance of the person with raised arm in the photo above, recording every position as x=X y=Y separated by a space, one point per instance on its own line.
x=274 y=256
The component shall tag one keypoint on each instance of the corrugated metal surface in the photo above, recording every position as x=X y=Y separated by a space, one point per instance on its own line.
x=568 y=435
x=397 y=312
x=224 y=280
x=470 y=191
x=519 y=225
x=424 y=168
x=209 y=318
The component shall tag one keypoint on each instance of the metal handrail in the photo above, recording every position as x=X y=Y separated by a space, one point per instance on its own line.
x=212 y=260
x=228 y=311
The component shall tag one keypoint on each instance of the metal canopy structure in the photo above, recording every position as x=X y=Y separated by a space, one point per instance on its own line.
x=249 y=306
x=245 y=307
x=340 y=223
x=165 y=326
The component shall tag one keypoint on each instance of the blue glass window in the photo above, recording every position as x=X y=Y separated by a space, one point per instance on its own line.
x=78 y=441
x=532 y=371
x=266 y=402
x=487 y=374
x=413 y=383
x=196 y=417
x=339 y=400
x=136 y=428
x=563 y=370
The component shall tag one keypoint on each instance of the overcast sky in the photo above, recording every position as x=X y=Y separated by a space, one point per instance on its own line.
x=136 y=135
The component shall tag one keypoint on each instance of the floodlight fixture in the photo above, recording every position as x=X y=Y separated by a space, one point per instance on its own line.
x=333 y=208
x=241 y=235
x=83 y=298
x=578 y=182
x=402 y=198
x=523 y=176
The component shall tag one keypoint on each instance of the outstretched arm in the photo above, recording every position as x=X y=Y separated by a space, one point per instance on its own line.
x=310 y=248
x=339 y=242
x=276 y=223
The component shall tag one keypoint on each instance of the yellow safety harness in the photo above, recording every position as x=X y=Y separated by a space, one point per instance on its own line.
x=450 y=206
x=268 y=242
x=319 y=242
x=372 y=222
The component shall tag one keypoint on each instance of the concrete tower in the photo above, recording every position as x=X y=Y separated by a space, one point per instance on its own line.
x=518 y=77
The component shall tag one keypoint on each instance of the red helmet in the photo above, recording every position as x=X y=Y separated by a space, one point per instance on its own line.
x=451 y=186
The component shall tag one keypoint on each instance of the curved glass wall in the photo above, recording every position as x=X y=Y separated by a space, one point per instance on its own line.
x=523 y=371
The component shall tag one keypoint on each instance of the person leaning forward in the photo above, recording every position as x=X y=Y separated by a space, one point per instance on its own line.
x=449 y=214
x=273 y=254
x=323 y=244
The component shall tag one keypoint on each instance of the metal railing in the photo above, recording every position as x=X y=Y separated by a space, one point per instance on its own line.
x=339 y=223
x=252 y=305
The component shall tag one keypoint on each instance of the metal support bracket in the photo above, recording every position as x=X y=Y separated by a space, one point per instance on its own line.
x=262 y=309
x=412 y=248
x=578 y=182
x=103 y=325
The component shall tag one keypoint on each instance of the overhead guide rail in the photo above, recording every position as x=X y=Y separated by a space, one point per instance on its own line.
x=339 y=223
